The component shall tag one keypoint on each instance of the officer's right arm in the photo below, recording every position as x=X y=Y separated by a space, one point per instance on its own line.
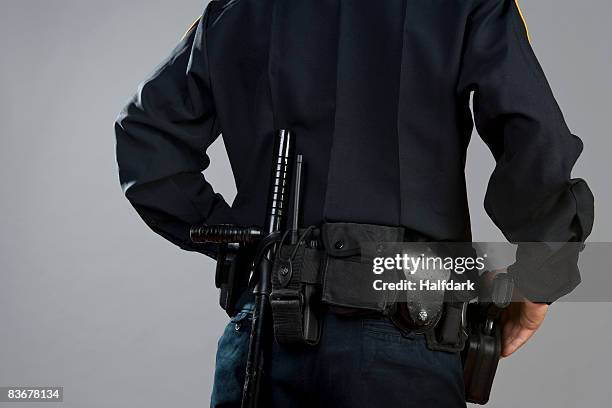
x=162 y=135
x=531 y=196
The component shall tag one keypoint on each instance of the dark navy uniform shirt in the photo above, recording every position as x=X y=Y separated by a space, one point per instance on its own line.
x=377 y=93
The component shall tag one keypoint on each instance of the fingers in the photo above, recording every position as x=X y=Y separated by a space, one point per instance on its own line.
x=517 y=337
x=533 y=315
x=519 y=322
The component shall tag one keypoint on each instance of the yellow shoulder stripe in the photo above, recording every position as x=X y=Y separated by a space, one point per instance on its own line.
x=523 y=18
x=191 y=27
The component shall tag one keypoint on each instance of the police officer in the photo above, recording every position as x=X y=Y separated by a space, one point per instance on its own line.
x=378 y=94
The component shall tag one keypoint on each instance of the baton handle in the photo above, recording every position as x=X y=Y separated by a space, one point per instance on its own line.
x=224 y=234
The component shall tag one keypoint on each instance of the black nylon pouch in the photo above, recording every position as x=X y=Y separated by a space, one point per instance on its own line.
x=294 y=296
x=348 y=277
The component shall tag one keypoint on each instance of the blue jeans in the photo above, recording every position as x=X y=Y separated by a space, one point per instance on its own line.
x=359 y=362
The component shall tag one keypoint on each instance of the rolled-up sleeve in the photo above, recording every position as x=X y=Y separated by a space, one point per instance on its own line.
x=531 y=196
x=162 y=137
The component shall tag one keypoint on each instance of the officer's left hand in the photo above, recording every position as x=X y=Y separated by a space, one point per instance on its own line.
x=519 y=322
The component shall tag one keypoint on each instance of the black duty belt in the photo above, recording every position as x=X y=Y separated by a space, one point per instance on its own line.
x=331 y=266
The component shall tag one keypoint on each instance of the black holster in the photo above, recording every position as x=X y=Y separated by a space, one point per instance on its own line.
x=483 y=349
x=231 y=274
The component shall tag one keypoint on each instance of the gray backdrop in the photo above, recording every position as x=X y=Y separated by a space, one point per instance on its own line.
x=92 y=300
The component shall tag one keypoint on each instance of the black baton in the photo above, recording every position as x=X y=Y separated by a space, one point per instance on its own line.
x=276 y=216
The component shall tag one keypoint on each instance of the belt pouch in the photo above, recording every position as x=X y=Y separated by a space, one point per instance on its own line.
x=295 y=294
x=348 y=276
